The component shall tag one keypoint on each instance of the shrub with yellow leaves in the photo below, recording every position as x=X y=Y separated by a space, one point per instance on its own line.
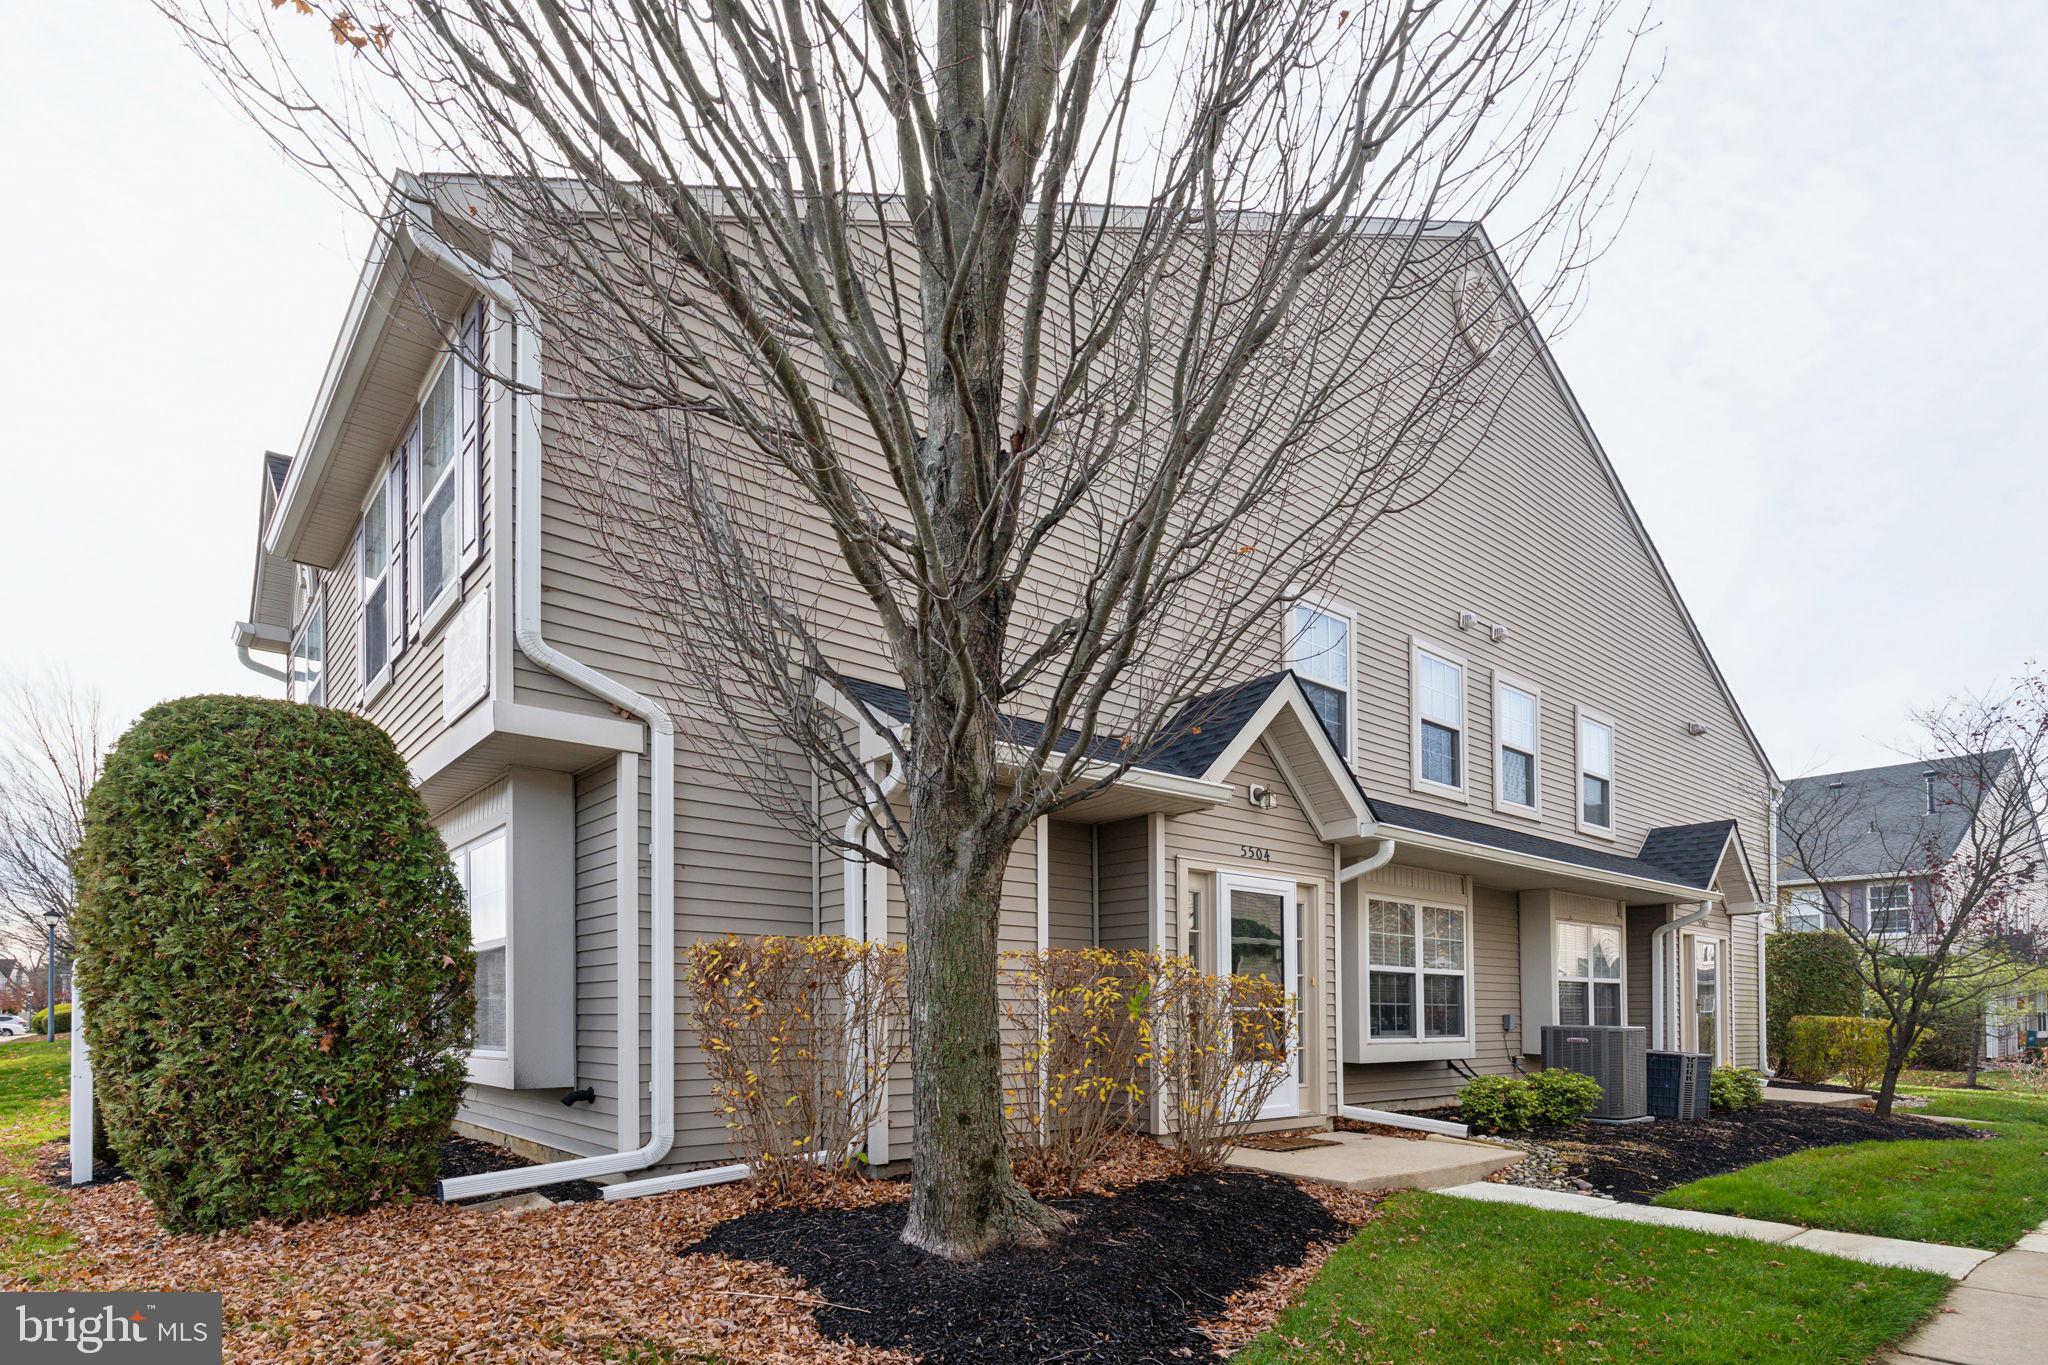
x=1072 y=1078
x=1218 y=1047
x=799 y=1035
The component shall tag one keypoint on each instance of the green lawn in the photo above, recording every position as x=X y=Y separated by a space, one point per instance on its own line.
x=34 y=1082
x=1976 y=1194
x=1441 y=1279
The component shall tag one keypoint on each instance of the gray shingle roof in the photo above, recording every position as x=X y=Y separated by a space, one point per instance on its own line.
x=1870 y=822
x=1681 y=842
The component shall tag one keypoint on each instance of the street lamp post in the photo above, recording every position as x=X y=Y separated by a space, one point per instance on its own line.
x=50 y=993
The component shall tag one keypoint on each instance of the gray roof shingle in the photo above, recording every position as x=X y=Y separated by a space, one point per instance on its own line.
x=1871 y=822
x=1683 y=842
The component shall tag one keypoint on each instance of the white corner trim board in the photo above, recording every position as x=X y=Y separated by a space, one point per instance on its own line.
x=661 y=754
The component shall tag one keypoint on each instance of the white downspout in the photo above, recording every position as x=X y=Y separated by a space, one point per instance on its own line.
x=661 y=756
x=1659 y=974
x=1373 y=862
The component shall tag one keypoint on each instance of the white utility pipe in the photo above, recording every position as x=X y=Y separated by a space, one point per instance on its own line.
x=661 y=756
x=1374 y=863
x=1659 y=973
x=1394 y=1118
x=1378 y=859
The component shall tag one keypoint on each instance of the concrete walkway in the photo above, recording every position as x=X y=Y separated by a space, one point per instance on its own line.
x=1827 y=1099
x=1954 y=1262
x=1362 y=1161
x=1998 y=1315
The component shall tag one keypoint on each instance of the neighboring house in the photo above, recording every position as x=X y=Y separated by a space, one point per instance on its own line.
x=1875 y=839
x=1442 y=835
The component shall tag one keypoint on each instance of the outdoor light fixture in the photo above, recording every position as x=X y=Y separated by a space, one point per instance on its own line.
x=1469 y=620
x=1260 y=797
x=1695 y=728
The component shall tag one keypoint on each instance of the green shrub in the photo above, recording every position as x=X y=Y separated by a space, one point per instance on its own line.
x=1561 y=1096
x=1497 y=1104
x=1734 y=1087
x=1821 y=1046
x=276 y=958
x=1812 y=973
x=39 y=1022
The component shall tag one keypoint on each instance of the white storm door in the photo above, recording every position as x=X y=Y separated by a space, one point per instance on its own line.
x=1702 y=997
x=1257 y=922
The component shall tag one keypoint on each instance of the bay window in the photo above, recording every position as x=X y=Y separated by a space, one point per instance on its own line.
x=377 y=554
x=1418 y=960
x=1891 y=908
x=1588 y=960
x=308 y=680
x=440 y=531
x=480 y=867
x=1517 y=709
x=1319 y=651
x=1596 y=772
x=1438 y=701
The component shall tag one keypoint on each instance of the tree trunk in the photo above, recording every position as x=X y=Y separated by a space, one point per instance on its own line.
x=1976 y=1051
x=964 y=1200
x=1894 y=1063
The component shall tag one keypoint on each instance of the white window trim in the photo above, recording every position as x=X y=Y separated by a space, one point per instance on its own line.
x=1557 y=979
x=1869 y=922
x=393 y=581
x=436 y=611
x=1417 y=1046
x=1580 y=715
x=1503 y=680
x=1812 y=897
x=318 y=610
x=1418 y=646
x=462 y=851
x=1329 y=606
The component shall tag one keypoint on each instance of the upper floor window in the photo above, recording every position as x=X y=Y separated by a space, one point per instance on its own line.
x=383 y=615
x=1596 y=772
x=480 y=867
x=1806 y=910
x=1588 y=974
x=1517 y=707
x=1891 y=907
x=1439 y=706
x=308 y=681
x=1418 y=960
x=440 y=529
x=1319 y=652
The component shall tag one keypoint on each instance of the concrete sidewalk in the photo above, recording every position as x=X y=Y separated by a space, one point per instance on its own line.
x=1954 y=1262
x=1998 y=1315
x=1360 y=1161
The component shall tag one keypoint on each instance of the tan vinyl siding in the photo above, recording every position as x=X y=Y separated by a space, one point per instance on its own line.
x=1123 y=872
x=1070 y=886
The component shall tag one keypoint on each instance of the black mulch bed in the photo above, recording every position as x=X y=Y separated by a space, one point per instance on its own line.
x=1637 y=1162
x=53 y=1163
x=1126 y=1284
x=467 y=1156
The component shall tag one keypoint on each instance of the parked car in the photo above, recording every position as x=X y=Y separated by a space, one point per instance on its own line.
x=12 y=1026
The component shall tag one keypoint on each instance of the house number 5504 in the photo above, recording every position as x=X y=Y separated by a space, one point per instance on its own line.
x=1255 y=853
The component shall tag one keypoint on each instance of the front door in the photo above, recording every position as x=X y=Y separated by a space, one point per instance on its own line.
x=1257 y=923
x=1702 y=998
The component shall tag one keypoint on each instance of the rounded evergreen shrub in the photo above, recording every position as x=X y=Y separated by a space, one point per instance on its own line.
x=1732 y=1087
x=1808 y=973
x=39 y=1022
x=1560 y=1096
x=1496 y=1104
x=275 y=960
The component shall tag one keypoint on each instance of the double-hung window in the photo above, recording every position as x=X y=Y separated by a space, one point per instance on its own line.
x=480 y=866
x=1438 y=678
x=1418 y=961
x=383 y=618
x=1891 y=907
x=1319 y=652
x=1805 y=910
x=1517 y=708
x=440 y=524
x=1596 y=772
x=1588 y=974
x=308 y=681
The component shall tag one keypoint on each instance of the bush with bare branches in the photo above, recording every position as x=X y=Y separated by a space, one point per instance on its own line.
x=799 y=1034
x=1072 y=1076
x=1219 y=1048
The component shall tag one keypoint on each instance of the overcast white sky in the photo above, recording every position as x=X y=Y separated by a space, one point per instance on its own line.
x=1815 y=355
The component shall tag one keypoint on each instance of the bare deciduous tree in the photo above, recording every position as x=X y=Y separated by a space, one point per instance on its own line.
x=1961 y=837
x=52 y=737
x=1037 y=352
